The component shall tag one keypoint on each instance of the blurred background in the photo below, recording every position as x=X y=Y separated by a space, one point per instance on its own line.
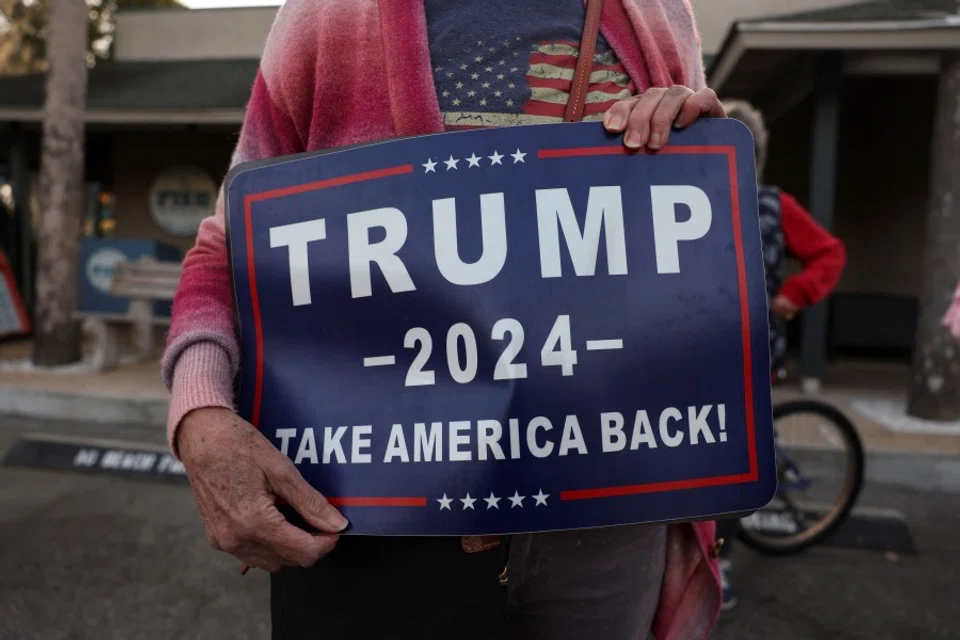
x=99 y=535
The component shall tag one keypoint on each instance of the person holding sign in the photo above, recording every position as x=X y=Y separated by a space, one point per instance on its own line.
x=787 y=230
x=345 y=72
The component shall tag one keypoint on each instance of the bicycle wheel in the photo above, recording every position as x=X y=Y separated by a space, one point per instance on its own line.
x=820 y=466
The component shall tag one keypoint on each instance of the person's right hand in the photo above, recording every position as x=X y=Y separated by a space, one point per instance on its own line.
x=236 y=476
x=784 y=307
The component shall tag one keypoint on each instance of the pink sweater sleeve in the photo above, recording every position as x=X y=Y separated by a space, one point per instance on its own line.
x=202 y=355
x=665 y=33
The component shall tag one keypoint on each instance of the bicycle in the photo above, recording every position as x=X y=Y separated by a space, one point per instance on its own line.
x=788 y=524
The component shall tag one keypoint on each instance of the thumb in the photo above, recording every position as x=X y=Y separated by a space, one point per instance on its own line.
x=309 y=503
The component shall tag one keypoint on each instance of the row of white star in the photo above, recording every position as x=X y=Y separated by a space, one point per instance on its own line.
x=473 y=161
x=493 y=502
x=474 y=75
x=483 y=102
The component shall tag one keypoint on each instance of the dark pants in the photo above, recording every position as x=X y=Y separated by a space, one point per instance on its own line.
x=728 y=530
x=568 y=585
x=586 y=584
x=376 y=588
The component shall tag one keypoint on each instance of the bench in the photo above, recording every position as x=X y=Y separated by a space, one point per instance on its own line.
x=116 y=338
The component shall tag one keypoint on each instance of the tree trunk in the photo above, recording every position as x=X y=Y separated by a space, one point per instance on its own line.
x=935 y=384
x=62 y=201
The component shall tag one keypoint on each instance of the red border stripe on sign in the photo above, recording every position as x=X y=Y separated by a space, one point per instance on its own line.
x=251 y=273
x=654 y=487
x=543 y=154
x=255 y=301
x=378 y=502
x=713 y=481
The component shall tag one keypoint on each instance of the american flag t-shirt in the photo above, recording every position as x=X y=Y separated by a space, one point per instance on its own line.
x=505 y=62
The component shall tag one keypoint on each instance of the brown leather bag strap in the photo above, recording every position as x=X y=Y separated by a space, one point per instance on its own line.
x=581 y=77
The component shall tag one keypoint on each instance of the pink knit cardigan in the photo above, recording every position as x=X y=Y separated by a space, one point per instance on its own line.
x=343 y=72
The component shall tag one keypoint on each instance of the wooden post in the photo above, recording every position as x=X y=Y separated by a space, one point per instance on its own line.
x=935 y=383
x=823 y=180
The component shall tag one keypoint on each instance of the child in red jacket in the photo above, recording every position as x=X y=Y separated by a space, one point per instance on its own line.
x=786 y=229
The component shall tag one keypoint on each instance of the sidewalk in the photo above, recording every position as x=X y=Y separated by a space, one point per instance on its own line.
x=132 y=394
x=873 y=396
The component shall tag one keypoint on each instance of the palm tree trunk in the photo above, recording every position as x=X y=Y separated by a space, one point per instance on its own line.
x=62 y=202
x=935 y=384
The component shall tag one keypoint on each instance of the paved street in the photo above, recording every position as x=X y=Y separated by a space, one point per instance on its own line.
x=92 y=557
x=840 y=594
x=96 y=557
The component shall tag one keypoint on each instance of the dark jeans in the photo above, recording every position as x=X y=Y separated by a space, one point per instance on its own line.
x=728 y=530
x=377 y=588
x=588 y=584
x=571 y=585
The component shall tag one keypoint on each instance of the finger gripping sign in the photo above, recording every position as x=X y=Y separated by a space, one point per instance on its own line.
x=509 y=330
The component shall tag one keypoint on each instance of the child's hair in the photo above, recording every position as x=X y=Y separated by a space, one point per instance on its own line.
x=745 y=113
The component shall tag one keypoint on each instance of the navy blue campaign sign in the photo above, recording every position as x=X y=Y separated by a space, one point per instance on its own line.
x=510 y=330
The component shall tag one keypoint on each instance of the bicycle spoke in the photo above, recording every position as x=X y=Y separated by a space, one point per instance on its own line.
x=799 y=516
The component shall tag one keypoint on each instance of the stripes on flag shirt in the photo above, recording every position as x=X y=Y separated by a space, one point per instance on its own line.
x=499 y=63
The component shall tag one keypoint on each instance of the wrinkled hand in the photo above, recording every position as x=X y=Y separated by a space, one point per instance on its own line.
x=236 y=476
x=646 y=120
x=782 y=307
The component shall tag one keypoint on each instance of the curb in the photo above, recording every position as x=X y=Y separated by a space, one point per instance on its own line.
x=54 y=405
x=918 y=471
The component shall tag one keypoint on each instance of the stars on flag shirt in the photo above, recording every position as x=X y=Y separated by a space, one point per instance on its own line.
x=499 y=63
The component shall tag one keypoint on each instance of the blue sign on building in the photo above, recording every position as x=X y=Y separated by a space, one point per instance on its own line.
x=510 y=330
x=99 y=257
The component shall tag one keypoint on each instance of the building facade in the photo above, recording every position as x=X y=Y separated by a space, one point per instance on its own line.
x=164 y=113
x=851 y=96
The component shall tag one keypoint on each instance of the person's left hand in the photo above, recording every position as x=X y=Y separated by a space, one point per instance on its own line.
x=783 y=307
x=646 y=120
